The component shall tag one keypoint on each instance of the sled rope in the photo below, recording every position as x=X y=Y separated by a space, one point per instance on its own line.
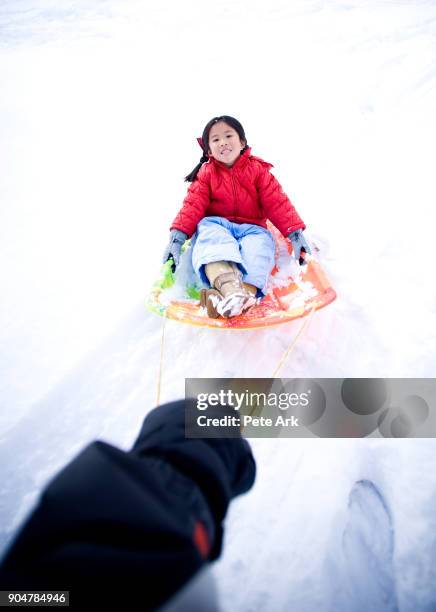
x=294 y=341
x=162 y=343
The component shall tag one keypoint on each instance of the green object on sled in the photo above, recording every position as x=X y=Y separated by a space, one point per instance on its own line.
x=193 y=292
x=166 y=279
x=167 y=276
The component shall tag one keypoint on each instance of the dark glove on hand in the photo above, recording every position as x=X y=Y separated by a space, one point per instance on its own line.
x=299 y=245
x=177 y=240
x=221 y=467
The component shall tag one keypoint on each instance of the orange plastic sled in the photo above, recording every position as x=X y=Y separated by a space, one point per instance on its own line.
x=285 y=302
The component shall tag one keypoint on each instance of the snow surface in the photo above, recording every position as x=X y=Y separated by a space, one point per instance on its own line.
x=100 y=106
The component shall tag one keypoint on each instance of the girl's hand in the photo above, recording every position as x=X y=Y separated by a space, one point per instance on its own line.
x=177 y=240
x=299 y=245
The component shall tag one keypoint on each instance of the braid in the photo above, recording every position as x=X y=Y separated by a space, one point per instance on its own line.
x=193 y=175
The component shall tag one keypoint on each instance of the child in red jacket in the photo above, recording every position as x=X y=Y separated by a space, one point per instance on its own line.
x=231 y=196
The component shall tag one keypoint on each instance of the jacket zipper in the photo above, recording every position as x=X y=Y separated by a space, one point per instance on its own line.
x=235 y=203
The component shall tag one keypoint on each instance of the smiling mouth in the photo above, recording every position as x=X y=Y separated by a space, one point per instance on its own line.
x=226 y=151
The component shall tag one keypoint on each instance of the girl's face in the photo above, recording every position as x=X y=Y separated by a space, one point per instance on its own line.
x=224 y=143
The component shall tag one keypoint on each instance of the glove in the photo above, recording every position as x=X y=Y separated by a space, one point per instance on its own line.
x=299 y=245
x=177 y=240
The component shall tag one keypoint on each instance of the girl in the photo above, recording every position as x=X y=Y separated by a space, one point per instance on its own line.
x=231 y=196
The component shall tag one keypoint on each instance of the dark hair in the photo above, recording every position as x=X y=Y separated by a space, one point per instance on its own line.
x=234 y=123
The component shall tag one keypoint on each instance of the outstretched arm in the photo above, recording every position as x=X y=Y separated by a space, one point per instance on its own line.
x=280 y=210
x=131 y=527
x=276 y=204
x=194 y=205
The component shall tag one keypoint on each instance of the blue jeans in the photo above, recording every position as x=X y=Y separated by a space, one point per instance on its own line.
x=251 y=247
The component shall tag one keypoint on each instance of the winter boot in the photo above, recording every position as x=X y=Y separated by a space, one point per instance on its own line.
x=209 y=299
x=230 y=297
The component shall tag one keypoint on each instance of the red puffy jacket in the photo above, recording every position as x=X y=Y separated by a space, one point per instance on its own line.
x=245 y=193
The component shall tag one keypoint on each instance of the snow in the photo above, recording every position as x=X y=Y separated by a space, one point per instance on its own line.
x=100 y=107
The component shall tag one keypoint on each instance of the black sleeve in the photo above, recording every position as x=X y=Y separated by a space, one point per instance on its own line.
x=117 y=527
